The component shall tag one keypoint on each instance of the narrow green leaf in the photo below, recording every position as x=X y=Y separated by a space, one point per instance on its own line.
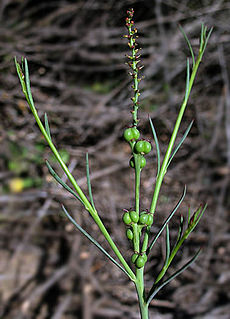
x=207 y=39
x=27 y=81
x=157 y=146
x=93 y=240
x=88 y=181
x=167 y=245
x=201 y=37
x=154 y=290
x=187 y=80
x=22 y=64
x=20 y=75
x=180 y=232
x=205 y=31
x=166 y=222
x=189 y=44
x=197 y=218
x=47 y=126
x=201 y=214
x=60 y=181
x=180 y=143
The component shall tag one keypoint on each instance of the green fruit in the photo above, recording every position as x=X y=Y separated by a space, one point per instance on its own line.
x=139 y=147
x=140 y=262
x=134 y=216
x=129 y=234
x=126 y=218
x=143 y=218
x=131 y=133
x=142 y=147
x=131 y=162
x=150 y=220
x=128 y=135
x=147 y=147
x=145 y=257
x=142 y=162
x=134 y=258
x=136 y=133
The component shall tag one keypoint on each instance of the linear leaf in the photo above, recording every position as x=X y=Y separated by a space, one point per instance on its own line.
x=197 y=219
x=27 y=81
x=202 y=37
x=88 y=181
x=180 y=143
x=60 y=181
x=47 y=125
x=155 y=290
x=180 y=232
x=157 y=146
x=167 y=245
x=93 y=240
x=187 y=80
x=207 y=39
x=189 y=44
x=22 y=64
x=20 y=75
x=166 y=222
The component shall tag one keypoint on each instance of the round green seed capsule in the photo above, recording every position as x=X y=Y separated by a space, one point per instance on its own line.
x=145 y=257
x=126 y=218
x=147 y=147
x=132 y=162
x=143 y=218
x=136 y=133
x=150 y=220
x=129 y=234
x=128 y=135
x=134 y=216
x=134 y=258
x=140 y=147
x=131 y=134
x=140 y=262
x=142 y=162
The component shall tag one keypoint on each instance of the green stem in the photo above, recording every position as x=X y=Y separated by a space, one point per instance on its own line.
x=84 y=199
x=139 y=283
x=136 y=229
x=114 y=247
x=172 y=255
x=141 y=293
x=163 y=169
x=135 y=79
x=173 y=138
x=137 y=182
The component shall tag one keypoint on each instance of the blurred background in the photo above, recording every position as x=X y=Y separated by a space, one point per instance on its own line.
x=76 y=56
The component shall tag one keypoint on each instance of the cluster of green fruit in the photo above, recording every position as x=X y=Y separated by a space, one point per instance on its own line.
x=139 y=259
x=131 y=218
x=141 y=147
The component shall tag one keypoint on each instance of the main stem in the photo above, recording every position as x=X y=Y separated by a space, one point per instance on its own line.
x=139 y=283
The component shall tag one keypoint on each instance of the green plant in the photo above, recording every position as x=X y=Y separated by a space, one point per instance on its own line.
x=139 y=223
